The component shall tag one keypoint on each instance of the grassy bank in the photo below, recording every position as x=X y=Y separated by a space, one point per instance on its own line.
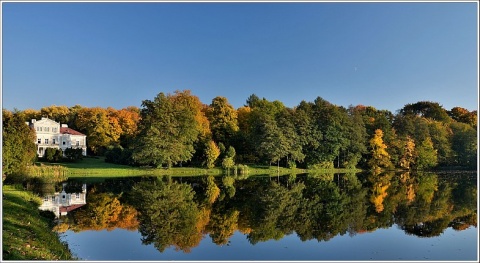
x=27 y=232
x=97 y=167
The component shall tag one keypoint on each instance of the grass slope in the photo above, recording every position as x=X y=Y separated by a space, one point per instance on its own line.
x=27 y=234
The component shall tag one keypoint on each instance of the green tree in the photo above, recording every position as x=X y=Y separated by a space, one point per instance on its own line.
x=229 y=159
x=427 y=109
x=426 y=155
x=168 y=130
x=18 y=144
x=464 y=144
x=357 y=139
x=223 y=120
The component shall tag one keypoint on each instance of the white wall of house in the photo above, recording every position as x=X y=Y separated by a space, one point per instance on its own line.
x=49 y=136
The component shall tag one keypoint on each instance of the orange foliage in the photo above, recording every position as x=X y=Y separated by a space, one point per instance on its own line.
x=193 y=103
x=243 y=114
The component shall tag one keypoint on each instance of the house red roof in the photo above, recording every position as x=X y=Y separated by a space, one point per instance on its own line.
x=64 y=209
x=64 y=130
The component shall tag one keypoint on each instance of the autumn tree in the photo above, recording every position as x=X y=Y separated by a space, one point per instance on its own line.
x=59 y=114
x=30 y=114
x=463 y=115
x=211 y=154
x=100 y=127
x=242 y=142
x=409 y=154
x=379 y=156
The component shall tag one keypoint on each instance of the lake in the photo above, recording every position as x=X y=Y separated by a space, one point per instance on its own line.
x=316 y=217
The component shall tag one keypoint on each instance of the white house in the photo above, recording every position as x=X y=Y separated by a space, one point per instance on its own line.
x=50 y=134
x=62 y=203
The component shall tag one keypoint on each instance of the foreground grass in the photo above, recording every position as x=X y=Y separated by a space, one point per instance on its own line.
x=27 y=232
x=98 y=168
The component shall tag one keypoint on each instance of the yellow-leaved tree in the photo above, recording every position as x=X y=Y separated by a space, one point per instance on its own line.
x=380 y=158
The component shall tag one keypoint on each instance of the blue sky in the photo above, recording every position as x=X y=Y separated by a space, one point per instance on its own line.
x=383 y=55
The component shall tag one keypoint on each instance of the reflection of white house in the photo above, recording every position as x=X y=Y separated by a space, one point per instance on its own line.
x=51 y=135
x=62 y=203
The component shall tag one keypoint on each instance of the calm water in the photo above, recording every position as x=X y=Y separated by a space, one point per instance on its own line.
x=305 y=217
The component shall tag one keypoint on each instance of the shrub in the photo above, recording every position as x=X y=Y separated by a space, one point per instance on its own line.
x=53 y=155
x=118 y=155
x=73 y=154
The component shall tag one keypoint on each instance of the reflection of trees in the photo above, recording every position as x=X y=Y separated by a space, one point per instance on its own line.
x=276 y=213
x=168 y=214
x=103 y=211
x=222 y=226
x=314 y=207
x=437 y=206
x=327 y=210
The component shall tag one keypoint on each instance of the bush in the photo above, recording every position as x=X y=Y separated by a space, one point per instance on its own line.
x=228 y=163
x=73 y=154
x=118 y=155
x=320 y=166
x=53 y=155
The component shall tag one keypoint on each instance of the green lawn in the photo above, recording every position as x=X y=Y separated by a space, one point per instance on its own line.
x=27 y=235
x=96 y=167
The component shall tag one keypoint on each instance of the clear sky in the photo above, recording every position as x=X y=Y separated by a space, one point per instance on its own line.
x=383 y=55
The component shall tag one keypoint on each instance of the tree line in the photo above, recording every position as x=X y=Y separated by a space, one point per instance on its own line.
x=179 y=130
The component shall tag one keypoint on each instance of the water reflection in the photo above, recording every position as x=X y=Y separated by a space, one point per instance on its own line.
x=180 y=212
x=60 y=203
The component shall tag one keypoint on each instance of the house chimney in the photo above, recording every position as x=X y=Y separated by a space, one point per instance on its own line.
x=33 y=121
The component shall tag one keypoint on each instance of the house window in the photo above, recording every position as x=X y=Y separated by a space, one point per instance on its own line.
x=40 y=150
x=77 y=195
x=53 y=141
x=47 y=129
x=40 y=128
x=39 y=141
x=63 y=143
x=45 y=199
x=53 y=198
x=54 y=129
x=78 y=143
x=46 y=141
